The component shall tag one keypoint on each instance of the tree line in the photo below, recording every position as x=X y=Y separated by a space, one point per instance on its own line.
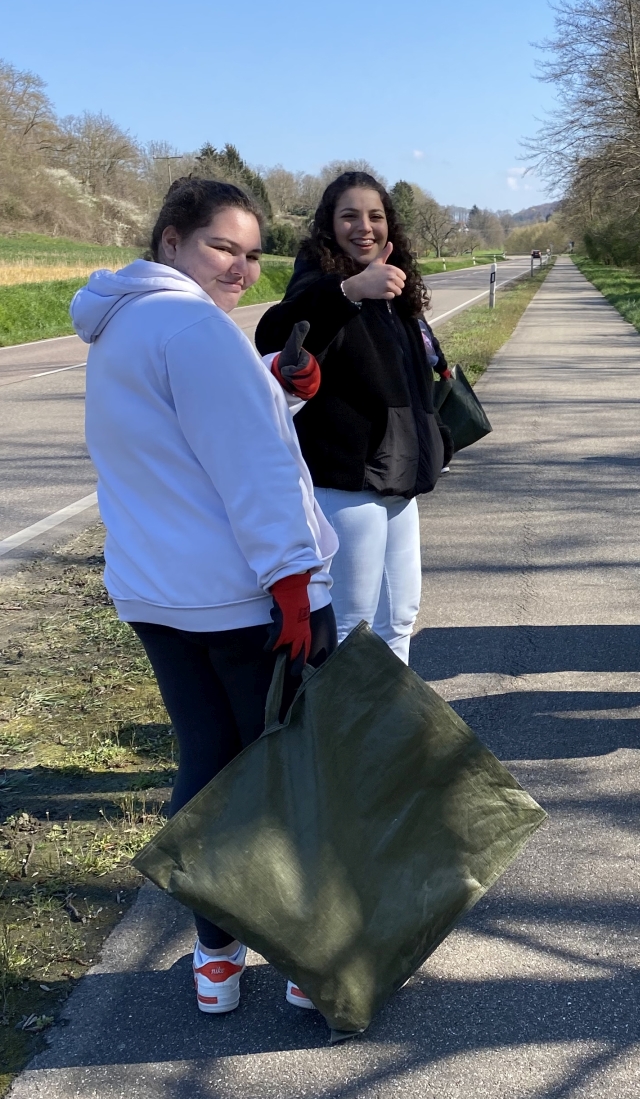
x=588 y=147
x=83 y=176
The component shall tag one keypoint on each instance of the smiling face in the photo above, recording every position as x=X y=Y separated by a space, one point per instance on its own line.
x=223 y=257
x=360 y=224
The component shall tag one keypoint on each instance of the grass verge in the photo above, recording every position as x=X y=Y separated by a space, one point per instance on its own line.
x=86 y=761
x=40 y=250
x=620 y=286
x=40 y=310
x=272 y=283
x=473 y=337
x=36 y=310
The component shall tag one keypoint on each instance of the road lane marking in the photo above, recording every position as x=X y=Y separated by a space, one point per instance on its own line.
x=40 y=343
x=27 y=377
x=58 y=370
x=459 y=308
x=43 y=525
x=463 y=305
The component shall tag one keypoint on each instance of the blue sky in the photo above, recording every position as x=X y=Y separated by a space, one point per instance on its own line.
x=436 y=92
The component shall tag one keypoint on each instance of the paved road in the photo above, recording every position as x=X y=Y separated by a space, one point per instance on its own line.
x=529 y=625
x=44 y=461
x=456 y=290
x=45 y=465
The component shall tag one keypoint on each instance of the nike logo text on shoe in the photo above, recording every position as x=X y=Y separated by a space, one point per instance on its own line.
x=217 y=980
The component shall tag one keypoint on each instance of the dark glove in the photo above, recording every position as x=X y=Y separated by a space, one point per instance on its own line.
x=291 y=619
x=448 y=443
x=296 y=369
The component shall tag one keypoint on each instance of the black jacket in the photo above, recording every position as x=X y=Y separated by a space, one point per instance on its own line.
x=372 y=423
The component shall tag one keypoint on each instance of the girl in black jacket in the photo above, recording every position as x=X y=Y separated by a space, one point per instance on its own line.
x=370 y=435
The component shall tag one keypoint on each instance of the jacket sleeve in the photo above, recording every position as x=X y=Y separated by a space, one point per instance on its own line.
x=442 y=362
x=227 y=413
x=317 y=299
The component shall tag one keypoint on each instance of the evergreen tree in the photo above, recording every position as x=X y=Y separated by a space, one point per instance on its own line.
x=228 y=165
x=404 y=201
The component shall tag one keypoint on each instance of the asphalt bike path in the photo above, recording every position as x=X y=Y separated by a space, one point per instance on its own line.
x=529 y=626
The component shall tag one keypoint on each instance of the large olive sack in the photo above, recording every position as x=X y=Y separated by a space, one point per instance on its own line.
x=346 y=842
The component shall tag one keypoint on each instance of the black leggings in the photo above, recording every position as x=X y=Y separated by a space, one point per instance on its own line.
x=215 y=686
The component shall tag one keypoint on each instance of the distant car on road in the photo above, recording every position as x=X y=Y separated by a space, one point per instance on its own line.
x=536 y=254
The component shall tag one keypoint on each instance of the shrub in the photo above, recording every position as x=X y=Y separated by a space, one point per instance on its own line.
x=282 y=239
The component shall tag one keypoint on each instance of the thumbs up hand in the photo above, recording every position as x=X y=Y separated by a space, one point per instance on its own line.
x=378 y=280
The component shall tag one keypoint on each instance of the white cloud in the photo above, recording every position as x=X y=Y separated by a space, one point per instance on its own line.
x=418 y=154
x=514 y=178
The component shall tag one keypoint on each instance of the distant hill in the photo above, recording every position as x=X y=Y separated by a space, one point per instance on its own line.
x=535 y=213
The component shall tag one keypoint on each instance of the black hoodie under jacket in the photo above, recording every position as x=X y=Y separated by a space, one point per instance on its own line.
x=372 y=424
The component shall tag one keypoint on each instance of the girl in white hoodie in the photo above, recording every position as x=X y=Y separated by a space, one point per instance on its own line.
x=215 y=552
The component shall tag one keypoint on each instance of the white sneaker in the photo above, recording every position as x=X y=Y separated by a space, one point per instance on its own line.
x=297 y=997
x=217 y=980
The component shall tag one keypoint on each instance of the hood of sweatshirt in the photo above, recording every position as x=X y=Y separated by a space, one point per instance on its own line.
x=107 y=292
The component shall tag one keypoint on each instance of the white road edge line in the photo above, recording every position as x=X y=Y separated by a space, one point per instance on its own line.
x=72 y=336
x=58 y=370
x=43 y=525
x=459 y=308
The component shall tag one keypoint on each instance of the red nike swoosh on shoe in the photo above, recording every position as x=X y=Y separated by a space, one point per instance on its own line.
x=219 y=971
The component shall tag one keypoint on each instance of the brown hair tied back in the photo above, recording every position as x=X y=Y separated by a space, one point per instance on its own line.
x=322 y=248
x=190 y=204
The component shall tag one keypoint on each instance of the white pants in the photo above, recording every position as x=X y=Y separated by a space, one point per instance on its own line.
x=377 y=571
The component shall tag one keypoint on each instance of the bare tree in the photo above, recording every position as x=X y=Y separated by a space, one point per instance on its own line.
x=589 y=145
x=594 y=64
x=282 y=188
x=99 y=154
x=435 y=224
x=487 y=225
x=27 y=120
x=335 y=168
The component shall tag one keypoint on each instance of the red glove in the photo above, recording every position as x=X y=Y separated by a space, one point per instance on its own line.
x=291 y=614
x=445 y=373
x=297 y=370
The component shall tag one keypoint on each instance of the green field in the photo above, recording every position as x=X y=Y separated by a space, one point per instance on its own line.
x=36 y=310
x=620 y=286
x=272 y=282
x=50 y=251
x=40 y=310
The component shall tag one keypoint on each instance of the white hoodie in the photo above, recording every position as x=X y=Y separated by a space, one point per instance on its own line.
x=202 y=487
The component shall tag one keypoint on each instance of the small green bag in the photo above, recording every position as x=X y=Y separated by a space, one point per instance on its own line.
x=459 y=408
x=346 y=842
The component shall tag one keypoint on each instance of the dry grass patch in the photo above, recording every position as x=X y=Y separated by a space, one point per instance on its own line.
x=14 y=274
x=86 y=762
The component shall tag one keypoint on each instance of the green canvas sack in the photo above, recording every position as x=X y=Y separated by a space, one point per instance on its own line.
x=457 y=405
x=346 y=842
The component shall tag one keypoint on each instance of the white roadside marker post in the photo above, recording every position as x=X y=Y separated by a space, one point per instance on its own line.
x=492 y=286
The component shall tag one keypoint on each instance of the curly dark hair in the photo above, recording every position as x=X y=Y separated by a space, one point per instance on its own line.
x=322 y=248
